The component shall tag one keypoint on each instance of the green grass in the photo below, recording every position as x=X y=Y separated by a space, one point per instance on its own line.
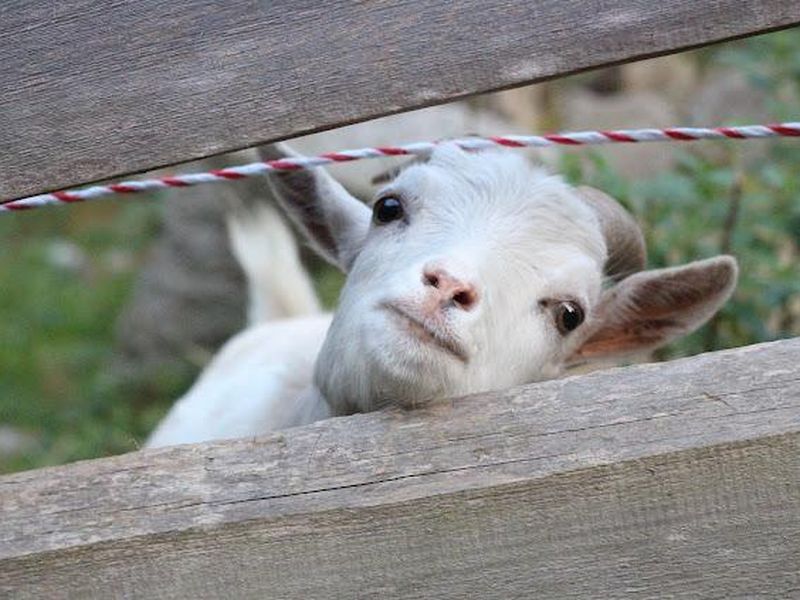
x=56 y=330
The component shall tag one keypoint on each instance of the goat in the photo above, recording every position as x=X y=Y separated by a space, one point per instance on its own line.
x=471 y=271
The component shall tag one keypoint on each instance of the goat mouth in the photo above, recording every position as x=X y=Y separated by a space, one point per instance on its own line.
x=427 y=334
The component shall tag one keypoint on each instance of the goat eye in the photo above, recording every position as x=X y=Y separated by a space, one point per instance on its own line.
x=387 y=209
x=569 y=315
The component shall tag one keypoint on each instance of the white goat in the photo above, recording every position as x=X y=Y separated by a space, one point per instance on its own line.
x=471 y=272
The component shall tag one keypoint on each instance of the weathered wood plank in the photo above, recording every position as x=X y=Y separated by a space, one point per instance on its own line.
x=678 y=479
x=95 y=89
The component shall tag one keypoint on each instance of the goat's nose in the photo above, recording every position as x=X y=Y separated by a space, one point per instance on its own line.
x=449 y=289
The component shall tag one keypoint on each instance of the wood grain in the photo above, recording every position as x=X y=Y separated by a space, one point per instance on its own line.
x=672 y=480
x=95 y=89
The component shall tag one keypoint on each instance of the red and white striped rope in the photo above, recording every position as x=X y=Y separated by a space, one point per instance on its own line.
x=581 y=138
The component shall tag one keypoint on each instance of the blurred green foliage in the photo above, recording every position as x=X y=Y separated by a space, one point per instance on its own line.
x=703 y=208
x=63 y=277
x=772 y=64
x=64 y=274
x=731 y=201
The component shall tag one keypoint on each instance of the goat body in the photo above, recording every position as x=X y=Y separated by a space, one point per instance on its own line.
x=471 y=272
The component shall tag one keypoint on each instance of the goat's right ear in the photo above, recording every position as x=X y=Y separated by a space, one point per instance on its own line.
x=651 y=308
x=333 y=221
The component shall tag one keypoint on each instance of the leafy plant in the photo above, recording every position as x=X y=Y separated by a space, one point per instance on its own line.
x=736 y=204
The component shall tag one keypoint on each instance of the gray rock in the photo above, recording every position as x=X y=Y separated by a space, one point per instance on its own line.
x=14 y=442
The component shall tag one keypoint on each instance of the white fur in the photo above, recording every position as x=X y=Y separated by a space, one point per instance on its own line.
x=490 y=218
x=520 y=239
x=517 y=232
x=278 y=287
x=257 y=380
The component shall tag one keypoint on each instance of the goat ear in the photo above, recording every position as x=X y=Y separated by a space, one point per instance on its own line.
x=651 y=308
x=334 y=222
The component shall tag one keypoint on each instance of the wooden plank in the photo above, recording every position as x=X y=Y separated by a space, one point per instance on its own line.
x=95 y=89
x=671 y=480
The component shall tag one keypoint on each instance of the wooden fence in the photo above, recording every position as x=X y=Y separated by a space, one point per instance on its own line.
x=679 y=479
x=671 y=480
x=93 y=91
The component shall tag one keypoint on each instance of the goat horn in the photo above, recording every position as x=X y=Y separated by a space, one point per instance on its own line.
x=624 y=239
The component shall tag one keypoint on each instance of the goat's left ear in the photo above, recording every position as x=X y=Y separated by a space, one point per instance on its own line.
x=651 y=308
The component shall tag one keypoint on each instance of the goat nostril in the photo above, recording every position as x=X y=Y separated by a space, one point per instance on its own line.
x=450 y=291
x=465 y=299
x=430 y=279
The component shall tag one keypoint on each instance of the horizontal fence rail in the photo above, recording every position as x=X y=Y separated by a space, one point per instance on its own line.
x=679 y=479
x=95 y=90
